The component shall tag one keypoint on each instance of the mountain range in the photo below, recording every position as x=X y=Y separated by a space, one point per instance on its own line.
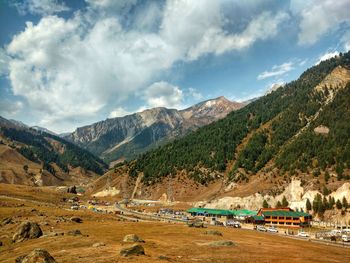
x=213 y=149
x=124 y=138
x=300 y=130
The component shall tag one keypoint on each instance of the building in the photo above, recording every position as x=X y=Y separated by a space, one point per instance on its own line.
x=221 y=215
x=209 y=212
x=285 y=217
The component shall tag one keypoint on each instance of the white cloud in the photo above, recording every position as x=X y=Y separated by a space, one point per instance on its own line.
x=10 y=108
x=196 y=28
x=163 y=94
x=40 y=7
x=346 y=41
x=4 y=60
x=320 y=17
x=326 y=56
x=71 y=70
x=195 y=94
x=276 y=70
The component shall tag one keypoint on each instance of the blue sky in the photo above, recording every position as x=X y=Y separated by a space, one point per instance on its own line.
x=64 y=64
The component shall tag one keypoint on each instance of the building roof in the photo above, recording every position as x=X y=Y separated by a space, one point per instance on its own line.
x=258 y=218
x=244 y=212
x=284 y=213
x=210 y=211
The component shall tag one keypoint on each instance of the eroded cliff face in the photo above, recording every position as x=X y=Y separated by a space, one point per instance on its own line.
x=294 y=193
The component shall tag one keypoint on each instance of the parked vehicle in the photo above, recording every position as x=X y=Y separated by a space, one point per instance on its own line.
x=234 y=224
x=272 y=229
x=303 y=234
x=261 y=228
x=345 y=238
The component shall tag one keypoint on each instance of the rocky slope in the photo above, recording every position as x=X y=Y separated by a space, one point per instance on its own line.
x=32 y=157
x=126 y=137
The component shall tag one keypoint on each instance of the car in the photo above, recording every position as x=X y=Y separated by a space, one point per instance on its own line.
x=272 y=229
x=303 y=234
x=345 y=238
x=261 y=228
x=237 y=225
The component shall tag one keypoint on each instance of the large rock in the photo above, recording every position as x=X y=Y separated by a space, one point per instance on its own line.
x=76 y=219
x=36 y=256
x=132 y=238
x=134 y=250
x=75 y=232
x=6 y=221
x=72 y=190
x=27 y=230
x=221 y=243
x=213 y=233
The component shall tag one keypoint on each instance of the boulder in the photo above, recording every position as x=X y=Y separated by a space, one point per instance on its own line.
x=6 y=221
x=75 y=232
x=213 y=233
x=221 y=243
x=72 y=190
x=132 y=238
x=27 y=230
x=1 y=244
x=99 y=244
x=134 y=250
x=76 y=219
x=36 y=256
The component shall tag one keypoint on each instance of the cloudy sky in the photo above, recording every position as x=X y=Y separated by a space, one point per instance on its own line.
x=65 y=64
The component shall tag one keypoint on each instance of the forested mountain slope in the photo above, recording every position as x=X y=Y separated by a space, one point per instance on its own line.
x=29 y=156
x=275 y=133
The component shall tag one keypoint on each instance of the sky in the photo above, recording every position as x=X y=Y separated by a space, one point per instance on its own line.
x=65 y=64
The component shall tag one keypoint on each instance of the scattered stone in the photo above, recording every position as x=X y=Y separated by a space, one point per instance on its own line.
x=36 y=256
x=99 y=244
x=20 y=258
x=54 y=234
x=6 y=221
x=132 y=238
x=72 y=190
x=44 y=223
x=134 y=250
x=221 y=243
x=75 y=232
x=76 y=219
x=27 y=230
x=162 y=257
x=213 y=233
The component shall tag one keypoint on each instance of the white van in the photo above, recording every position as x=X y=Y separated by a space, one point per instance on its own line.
x=345 y=238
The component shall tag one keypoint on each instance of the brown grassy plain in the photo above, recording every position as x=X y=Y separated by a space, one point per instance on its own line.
x=177 y=242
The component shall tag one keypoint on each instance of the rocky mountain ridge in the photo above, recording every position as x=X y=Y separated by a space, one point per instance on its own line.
x=126 y=137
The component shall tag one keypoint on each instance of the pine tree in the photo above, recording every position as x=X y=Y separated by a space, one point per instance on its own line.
x=278 y=205
x=317 y=203
x=284 y=202
x=265 y=204
x=308 y=205
x=327 y=176
x=325 y=203
x=345 y=203
x=338 y=204
x=325 y=191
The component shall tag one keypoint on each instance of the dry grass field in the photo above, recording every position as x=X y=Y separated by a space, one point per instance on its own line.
x=177 y=242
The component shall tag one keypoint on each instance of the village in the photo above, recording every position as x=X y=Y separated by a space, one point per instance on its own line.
x=282 y=221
